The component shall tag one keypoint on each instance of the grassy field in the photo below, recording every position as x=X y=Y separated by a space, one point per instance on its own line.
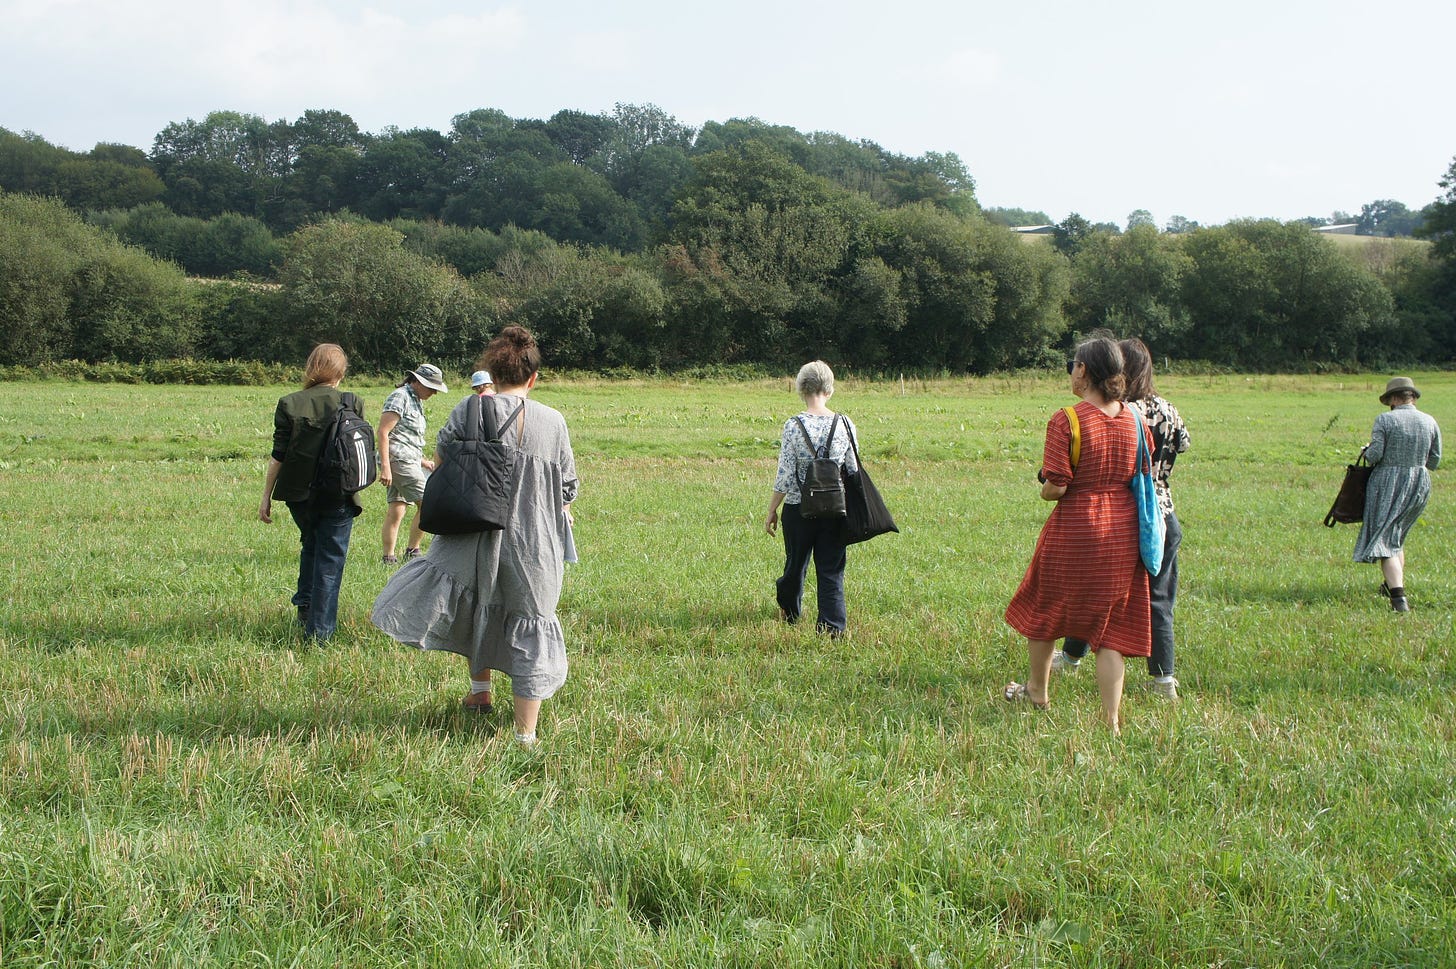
x=184 y=782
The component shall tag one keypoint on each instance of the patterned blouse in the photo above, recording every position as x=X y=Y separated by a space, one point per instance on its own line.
x=794 y=453
x=1170 y=439
x=406 y=438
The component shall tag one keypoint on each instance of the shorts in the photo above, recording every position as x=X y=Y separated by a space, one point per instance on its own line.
x=407 y=483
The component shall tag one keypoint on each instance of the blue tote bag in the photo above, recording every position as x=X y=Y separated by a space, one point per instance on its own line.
x=1151 y=527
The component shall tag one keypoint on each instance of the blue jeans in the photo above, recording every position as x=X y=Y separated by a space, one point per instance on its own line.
x=323 y=532
x=823 y=538
x=1162 y=595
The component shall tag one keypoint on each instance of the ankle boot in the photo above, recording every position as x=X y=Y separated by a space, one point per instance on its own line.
x=1398 y=601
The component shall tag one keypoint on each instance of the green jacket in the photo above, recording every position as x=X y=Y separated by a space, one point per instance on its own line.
x=299 y=426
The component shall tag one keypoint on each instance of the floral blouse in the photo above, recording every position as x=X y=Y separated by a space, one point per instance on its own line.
x=1170 y=439
x=794 y=453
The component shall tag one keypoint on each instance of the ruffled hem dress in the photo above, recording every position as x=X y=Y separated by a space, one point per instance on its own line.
x=492 y=596
x=1086 y=579
x=1405 y=446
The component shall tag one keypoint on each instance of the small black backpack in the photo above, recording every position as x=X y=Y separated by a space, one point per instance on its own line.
x=821 y=490
x=346 y=462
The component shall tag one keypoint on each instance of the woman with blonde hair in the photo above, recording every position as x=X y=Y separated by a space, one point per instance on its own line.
x=301 y=423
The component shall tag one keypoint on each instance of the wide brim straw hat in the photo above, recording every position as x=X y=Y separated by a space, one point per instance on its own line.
x=1398 y=385
x=430 y=376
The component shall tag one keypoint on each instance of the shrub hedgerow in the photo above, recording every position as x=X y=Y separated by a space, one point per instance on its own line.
x=248 y=373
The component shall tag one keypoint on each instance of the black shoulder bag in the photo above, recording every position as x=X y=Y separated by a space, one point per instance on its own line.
x=474 y=485
x=865 y=513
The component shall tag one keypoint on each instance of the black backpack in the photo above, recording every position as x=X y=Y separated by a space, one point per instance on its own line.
x=346 y=462
x=821 y=490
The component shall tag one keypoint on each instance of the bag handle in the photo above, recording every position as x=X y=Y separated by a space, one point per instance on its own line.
x=491 y=428
x=1143 y=454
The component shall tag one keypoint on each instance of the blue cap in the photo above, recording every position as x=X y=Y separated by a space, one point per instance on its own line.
x=480 y=378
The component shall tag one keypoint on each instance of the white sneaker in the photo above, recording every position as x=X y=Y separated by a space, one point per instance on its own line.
x=1062 y=663
x=1164 y=689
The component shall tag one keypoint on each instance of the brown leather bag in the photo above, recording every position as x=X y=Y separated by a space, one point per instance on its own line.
x=1349 y=504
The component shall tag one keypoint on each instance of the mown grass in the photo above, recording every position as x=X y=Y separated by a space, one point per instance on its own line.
x=186 y=783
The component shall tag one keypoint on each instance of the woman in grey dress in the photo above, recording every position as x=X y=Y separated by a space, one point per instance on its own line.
x=491 y=596
x=1405 y=446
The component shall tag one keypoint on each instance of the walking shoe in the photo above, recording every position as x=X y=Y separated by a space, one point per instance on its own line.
x=1164 y=689
x=1399 y=604
x=1062 y=663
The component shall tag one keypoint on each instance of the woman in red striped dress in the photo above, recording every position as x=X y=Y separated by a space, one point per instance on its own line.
x=1086 y=579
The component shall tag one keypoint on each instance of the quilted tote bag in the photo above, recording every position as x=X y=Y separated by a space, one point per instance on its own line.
x=1349 y=506
x=1151 y=526
x=474 y=486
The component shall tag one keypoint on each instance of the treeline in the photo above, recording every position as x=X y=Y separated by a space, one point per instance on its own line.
x=582 y=178
x=742 y=243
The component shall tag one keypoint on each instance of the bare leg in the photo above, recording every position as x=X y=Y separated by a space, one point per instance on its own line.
x=1393 y=570
x=1040 y=673
x=1110 y=670
x=417 y=534
x=389 y=534
x=526 y=712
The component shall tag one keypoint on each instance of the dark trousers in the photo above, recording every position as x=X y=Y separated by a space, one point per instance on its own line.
x=823 y=538
x=1162 y=594
x=323 y=533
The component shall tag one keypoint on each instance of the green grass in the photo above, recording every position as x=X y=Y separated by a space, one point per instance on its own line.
x=184 y=782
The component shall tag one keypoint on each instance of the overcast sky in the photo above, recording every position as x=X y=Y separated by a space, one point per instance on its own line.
x=1212 y=111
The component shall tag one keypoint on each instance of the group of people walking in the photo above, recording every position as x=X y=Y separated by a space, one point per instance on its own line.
x=492 y=596
x=489 y=596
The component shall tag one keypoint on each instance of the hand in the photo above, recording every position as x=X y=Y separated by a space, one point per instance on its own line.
x=427 y=465
x=771 y=524
x=385 y=477
x=265 y=512
x=570 y=519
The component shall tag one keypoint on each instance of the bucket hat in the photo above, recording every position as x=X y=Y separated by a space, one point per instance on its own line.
x=1397 y=385
x=480 y=378
x=430 y=376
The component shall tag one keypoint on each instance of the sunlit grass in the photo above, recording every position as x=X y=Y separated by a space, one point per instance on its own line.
x=185 y=782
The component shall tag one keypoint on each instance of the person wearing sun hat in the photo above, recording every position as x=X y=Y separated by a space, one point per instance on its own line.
x=481 y=383
x=1404 y=448
x=402 y=461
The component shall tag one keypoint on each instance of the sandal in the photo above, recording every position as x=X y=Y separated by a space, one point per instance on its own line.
x=1017 y=693
x=413 y=553
x=481 y=706
x=391 y=560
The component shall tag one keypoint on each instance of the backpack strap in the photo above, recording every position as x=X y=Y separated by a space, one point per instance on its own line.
x=1076 y=448
x=821 y=451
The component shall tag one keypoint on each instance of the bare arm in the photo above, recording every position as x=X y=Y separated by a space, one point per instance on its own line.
x=386 y=424
x=771 y=523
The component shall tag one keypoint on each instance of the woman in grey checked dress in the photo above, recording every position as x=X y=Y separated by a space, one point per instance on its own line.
x=1405 y=446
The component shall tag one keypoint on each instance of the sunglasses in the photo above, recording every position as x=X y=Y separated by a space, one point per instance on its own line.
x=1071 y=365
